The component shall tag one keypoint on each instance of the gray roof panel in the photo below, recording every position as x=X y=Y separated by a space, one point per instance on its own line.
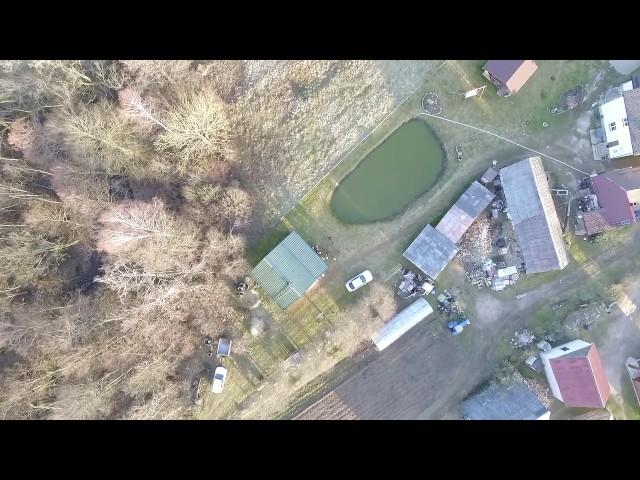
x=464 y=212
x=534 y=216
x=496 y=402
x=431 y=251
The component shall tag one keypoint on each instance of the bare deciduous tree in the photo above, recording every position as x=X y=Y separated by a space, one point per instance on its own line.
x=98 y=133
x=134 y=105
x=28 y=256
x=158 y=72
x=198 y=131
x=133 y=221
x=235 y=206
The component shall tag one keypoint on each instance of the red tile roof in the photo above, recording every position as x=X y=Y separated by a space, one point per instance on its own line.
x=594 y=222
x=614 y=201
x=581 y=378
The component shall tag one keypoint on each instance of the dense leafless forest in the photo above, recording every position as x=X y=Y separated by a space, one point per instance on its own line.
x=128 y=190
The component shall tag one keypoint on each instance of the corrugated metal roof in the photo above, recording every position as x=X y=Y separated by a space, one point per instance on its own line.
x=534 y=216
x=402 y=323
x=496 y=402
x=464 y=212
x=431 y=251
x=288 y=271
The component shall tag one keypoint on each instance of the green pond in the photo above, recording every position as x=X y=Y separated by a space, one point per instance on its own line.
x=406 y=165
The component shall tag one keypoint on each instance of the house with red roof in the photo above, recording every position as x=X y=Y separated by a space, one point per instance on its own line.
x=509 y=75
x=618 y=199
x=576 y=375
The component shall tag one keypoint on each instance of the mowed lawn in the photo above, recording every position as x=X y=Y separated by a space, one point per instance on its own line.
x=379 y=246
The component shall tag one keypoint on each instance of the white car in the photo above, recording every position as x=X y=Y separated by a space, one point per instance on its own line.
x=219 y=377
x=359 y=280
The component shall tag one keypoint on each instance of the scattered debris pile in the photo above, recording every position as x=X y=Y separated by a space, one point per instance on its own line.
x=541 y=392
x=447 y=304
x=242 y=286
x=412 y=283
x=294 y=360
x=522 y=339
x=323 y=254
x=569 y=100
x=585 y=317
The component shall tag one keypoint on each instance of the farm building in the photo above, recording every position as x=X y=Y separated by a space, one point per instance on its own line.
x=289 y=270
x=434 y=248
x=534 y=216
x=576 y=375
x=633 y=367
x=431 y=251
x=402 y=323
x=617 y=200
x=498 y=402
x=620 y=117
x=509 y=75
x=464 y=212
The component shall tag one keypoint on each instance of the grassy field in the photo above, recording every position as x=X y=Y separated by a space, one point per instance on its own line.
x=321 y=324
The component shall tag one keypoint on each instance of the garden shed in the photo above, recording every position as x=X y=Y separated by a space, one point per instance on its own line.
x=289 y=270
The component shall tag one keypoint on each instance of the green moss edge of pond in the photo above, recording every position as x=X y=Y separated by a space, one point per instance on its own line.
x=378 y=159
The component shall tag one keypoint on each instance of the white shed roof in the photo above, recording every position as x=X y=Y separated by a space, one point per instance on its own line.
x=402 y=323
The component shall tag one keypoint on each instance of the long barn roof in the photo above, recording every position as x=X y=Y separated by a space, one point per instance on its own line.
x=534 y=216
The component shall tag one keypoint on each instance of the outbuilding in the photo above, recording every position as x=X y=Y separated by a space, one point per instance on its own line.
x=289 y=270
x=509 y=75
x=402 y=323
x=505 y=402
x=576 y=375
x=534 y=216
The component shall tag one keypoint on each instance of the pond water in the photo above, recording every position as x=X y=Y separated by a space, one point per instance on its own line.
x=406 y=165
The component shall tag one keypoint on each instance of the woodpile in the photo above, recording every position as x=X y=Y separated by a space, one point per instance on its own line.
x=474 y=249
x=541 y=392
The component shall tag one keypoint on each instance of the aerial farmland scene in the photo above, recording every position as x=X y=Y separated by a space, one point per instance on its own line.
x=320 y=240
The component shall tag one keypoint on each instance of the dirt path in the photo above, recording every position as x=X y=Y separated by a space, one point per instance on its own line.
x=426 y=373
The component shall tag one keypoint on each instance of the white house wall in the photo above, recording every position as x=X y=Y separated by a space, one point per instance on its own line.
x=616 y=112
x=554 y=353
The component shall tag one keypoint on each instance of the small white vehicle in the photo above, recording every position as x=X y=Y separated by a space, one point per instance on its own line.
x=219 y=377
x=359 y=281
